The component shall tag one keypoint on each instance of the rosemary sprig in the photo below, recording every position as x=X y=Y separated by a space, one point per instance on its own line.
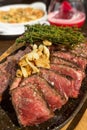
x=57 y=35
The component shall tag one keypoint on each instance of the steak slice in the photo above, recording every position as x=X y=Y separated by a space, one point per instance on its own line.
x=16 y=82
x=19 y=54
x=6 y=76
x=80 y=50
x=59 y=82
x=62 y=61
x=52 y=97
x=81 y=62
x=29 y=105
x=8 y=70
x=76 y=74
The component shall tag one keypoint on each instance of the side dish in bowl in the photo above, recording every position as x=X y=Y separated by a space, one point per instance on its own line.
x=14 y=17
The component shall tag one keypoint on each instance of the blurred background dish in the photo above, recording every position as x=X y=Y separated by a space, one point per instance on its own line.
x=66 y=13
x=8 y=28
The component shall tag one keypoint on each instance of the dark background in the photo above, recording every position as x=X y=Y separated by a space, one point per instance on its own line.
x=47 y=2
x=85 y=4
x=5 y=2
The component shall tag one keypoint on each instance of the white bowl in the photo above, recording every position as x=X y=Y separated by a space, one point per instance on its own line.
x=18 y=28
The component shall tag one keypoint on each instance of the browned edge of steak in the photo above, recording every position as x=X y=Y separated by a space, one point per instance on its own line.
x=81 y=62
x=62 y=61
x=8 y=70
x=80 y=50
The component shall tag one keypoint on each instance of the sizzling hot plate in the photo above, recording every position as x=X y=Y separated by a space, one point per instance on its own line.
x=8 y=120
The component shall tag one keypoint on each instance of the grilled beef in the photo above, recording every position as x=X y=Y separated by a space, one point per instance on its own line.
x=7 y=73
x=76 y=74
x=36 y=97
x=29 y=105
x=16 y=82
x=62 y=61
x=81 y=62
x=53 y=98
x=8 y=70
x=59 y=82
x=80 y=50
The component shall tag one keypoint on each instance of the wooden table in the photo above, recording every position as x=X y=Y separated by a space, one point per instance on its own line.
x=4 y=44
x=80 y=120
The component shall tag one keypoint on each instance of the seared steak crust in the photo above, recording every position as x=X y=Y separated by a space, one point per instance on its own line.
x=6 y=76
x=81 y=62
x=62 y=61
x=80 y=50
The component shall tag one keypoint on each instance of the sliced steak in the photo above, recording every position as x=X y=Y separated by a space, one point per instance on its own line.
x=76 y=74
x=8 y=70
x=15 y=84
x=4 y=80
x=59 y=82
x=52 y=97
x=29 y=105
x=80 y=50
x=81 y=62
x=19 y=54
x=6 y=75
x=62 y=61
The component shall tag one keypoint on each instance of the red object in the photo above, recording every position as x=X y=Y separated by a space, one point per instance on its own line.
x=66 y=15
x=66 y=6
x=65 y=11
x=77 y=22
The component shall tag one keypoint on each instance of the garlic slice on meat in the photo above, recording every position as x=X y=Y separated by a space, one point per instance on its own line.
x=30 y=63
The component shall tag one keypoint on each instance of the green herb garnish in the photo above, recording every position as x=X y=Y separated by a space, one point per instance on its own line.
x=57 y=35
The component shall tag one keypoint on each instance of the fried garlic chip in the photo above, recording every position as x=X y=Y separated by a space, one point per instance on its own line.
x=47 y=43
x=30 y=63
x=19 y=73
